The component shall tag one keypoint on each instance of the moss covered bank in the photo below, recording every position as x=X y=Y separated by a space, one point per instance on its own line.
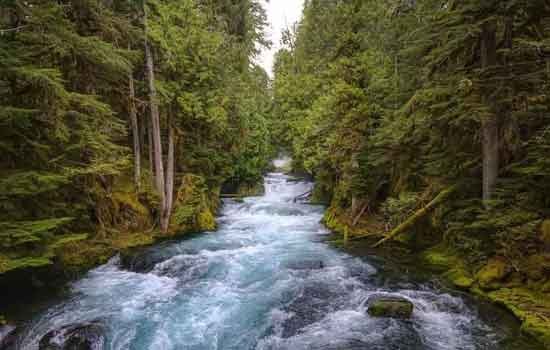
x=523 y=290
x=123 y=219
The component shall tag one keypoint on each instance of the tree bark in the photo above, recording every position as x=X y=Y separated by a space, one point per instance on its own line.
x=151 y=151
x=169 y=180
x=135 y=132
x=155 y=124
x=489 y=124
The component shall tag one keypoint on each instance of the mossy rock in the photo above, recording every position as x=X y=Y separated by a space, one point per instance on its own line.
x=460 y=278
x=493 y=273
x=392 y=307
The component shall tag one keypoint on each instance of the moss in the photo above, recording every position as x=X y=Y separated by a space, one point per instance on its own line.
x=23 y=263
x=194 y=205
x=493 y=273
x=206 y=221
x=390 y=307
x=64 y=240
x=444 y=260
x=460 y=278
x=130 y=199
x=80 y=256
x=536 y=267
x=530 y=307
x=439 y=258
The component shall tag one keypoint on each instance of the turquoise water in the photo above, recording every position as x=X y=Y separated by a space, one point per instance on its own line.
x=264 y=280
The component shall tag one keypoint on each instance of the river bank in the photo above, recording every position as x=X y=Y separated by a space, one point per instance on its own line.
x=495 y=282
x=125 y=223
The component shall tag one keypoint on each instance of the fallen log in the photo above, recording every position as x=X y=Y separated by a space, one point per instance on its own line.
x=412 y=220
x=363 y=210
x=302 y=196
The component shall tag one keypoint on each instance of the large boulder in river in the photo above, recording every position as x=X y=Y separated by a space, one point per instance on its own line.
x=389 y=306
x=77 y=337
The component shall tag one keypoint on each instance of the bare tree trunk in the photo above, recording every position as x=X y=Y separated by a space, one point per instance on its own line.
x=155 y=124
x=169 y=179
x=151 y=152
x=490 y=124
x=135 y=132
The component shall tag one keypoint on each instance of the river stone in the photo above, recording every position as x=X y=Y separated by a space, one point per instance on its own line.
x=393 y=307
x=79 y=337
x=305 y=265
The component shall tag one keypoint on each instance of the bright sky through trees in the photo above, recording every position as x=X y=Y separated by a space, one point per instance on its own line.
x=281 y=14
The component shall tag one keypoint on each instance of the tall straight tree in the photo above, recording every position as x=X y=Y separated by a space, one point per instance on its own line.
x=135 y=131
x=155 y=124
x=490 y=122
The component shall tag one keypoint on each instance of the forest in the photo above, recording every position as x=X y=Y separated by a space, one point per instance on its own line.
x=423 y=124
x=107 y=106
x=428 y=121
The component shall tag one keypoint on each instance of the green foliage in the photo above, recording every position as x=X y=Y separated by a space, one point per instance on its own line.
x=386 y=102
x=65 y=106
x=193 y=209
x=397 y=210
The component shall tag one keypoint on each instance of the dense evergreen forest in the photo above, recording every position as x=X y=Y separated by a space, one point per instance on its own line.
x=424 y=123
x=429 y=122
x=123 y=117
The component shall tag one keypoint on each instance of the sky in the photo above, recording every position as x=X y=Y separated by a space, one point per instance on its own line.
x=280 y=15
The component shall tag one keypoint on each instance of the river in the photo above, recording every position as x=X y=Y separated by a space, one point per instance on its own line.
x=266 y=279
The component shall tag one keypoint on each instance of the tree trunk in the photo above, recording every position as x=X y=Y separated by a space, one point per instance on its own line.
x=135 y=132
x=169 y=180
x=489 y=124
x=151 y=152
x=155 y=124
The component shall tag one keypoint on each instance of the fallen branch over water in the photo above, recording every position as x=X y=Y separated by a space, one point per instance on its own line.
x=302 y=196
x=411 y=221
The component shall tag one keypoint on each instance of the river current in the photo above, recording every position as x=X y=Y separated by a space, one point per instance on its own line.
x=266 y=279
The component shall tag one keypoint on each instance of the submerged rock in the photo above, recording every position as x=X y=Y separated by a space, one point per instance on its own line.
x=79 y=337
x=306 y=265
x=394 y=307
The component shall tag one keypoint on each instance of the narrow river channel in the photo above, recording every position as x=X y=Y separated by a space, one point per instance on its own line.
x=265 y=280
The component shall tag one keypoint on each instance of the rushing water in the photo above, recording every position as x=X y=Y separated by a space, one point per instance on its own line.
x=264 y=280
